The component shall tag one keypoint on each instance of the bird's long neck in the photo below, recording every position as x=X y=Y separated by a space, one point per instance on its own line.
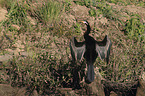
x=87 y=31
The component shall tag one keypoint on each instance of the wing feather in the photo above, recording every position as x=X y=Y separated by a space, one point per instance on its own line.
x=103 y=48
x=77 y=49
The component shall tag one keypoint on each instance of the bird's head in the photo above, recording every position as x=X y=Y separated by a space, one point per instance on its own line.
x=85 y=22
x=88 y=27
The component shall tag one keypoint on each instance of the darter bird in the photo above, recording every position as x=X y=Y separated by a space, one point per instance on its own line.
x=90 y=49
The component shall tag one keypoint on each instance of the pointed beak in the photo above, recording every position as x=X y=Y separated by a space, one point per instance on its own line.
x=83 y=21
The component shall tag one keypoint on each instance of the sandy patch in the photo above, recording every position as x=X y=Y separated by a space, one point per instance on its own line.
x=3 y=12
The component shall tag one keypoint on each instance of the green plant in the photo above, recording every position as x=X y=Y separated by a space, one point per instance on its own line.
x=17 y=17
x=106 y=10
x=48 y=12
x=67 y=4
x=134 y=28
x=87 y=3
x=92 y=12
x=7 y=3
x=77 y=28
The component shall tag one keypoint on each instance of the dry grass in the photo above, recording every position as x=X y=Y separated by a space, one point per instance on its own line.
x=36 y=36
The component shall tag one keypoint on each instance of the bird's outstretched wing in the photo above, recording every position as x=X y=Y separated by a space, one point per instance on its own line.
x=103 y=48
x=77 y=49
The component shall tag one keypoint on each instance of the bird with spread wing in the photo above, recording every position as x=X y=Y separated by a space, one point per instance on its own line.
x=90 y=49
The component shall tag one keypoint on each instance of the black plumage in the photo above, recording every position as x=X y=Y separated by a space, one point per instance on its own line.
x=90 y=49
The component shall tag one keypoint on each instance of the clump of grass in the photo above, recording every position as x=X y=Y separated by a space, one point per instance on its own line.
x=67 y=4
x=106 y=10
x=92 y=12
x=17 y=16
x=49 y=11
x=7 y=3
x=134 y=28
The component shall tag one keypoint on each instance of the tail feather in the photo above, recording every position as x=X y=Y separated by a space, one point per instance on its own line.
x=90 y=73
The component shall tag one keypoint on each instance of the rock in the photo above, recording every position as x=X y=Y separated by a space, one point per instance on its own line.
x=95 y=88
x=8 y=90
x=5 y=57
x=35 y=93
x=67 y=92
x=21 y=92
x=112 y=93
